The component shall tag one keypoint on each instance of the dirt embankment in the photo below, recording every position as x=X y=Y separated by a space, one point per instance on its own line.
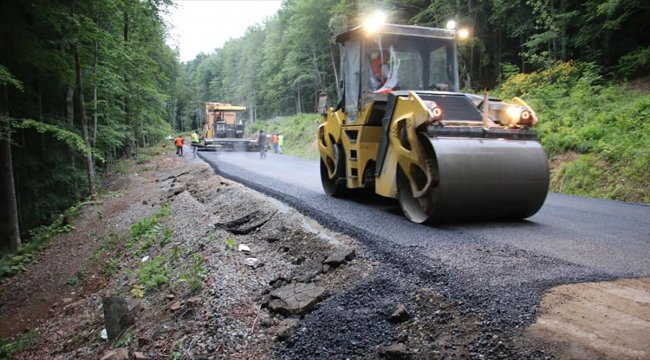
x=606 y=320
x=169 y=234
x=211 y=299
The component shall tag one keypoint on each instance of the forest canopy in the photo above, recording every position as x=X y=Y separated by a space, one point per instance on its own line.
x=280 y=66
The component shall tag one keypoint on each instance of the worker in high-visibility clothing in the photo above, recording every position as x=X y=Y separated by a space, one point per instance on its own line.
x=179 y=145
x=274 y=142
x=280 y=143
x=196 y=141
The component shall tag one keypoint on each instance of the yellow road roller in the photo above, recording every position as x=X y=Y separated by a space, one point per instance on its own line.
x=403 y=130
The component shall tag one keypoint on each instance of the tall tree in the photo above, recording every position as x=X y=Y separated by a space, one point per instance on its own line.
x=50 y=49
x=8 y=190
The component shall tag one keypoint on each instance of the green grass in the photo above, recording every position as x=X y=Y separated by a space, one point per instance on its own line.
x=155 y=150
x=299 y=133
x=153 y=274
x=7 y=348
x=110 y=267
x=608 y=125
x=39 y=239
x=142 y=158
x=145 y=232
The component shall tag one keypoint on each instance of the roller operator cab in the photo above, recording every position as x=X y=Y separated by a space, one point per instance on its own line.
x=403 y=130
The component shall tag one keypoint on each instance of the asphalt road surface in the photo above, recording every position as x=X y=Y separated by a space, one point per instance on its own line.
x=499 y=268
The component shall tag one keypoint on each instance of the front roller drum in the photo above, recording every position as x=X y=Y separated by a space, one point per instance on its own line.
x=486 y=179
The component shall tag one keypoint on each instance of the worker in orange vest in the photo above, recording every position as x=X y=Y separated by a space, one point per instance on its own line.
x=280 y=143
x=274 y=142
x=179 y=145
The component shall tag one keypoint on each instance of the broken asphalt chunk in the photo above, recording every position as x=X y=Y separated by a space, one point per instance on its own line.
x=340 y=256
x=396 y=351
x=296 y=298
x=399 y=315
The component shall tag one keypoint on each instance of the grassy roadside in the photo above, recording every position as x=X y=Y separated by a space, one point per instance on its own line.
x=299 y=133
x=596 y=134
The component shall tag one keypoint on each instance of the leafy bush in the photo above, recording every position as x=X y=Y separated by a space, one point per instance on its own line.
x=122 y=168
x=579 y=112
x=508 y=70
x=299 y=133
x=635 y=62
x=146 y=231
x=194 y=277
x=153 y=273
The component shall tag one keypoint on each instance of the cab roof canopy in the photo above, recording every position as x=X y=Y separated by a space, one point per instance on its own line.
x=215 y=106
x=394 y=29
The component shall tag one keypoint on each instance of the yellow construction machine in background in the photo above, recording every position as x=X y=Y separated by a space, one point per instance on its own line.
x=224 y=128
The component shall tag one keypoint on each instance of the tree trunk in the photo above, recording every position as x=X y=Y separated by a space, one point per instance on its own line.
x=127 y=117
x=39 y=100
x=84 y=125
x=95 y=97
x=336 y=74
x=319 y=82
x=69 y=105
x=7 y=174
x=298 y=102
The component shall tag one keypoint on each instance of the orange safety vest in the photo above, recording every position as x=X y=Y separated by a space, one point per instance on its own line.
x=179 y=141
x=274 y=139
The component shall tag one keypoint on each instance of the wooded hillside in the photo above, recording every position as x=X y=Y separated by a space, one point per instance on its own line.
x=278 y=67
x=83 y=84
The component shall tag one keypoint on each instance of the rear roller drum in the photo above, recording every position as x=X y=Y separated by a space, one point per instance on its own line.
x=418 y=210
x=334 y=186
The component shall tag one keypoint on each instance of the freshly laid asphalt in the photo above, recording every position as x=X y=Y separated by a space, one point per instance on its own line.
x=497 y=269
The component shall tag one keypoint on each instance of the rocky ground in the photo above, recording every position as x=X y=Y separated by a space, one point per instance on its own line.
x=176 y=262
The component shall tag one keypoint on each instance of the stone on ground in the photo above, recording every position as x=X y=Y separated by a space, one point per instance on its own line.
x=296 y=298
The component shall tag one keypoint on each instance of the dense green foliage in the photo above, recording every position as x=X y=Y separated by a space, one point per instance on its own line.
x=277 y=68
x=606 y=125
x=127 y=74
